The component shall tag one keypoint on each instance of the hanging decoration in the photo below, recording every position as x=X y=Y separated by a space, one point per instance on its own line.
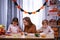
x=54 y=10
x=29 y=12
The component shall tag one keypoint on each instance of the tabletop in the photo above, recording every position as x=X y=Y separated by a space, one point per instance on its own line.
x=28 y=36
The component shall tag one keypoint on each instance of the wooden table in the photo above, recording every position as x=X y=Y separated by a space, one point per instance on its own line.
x=28 y=37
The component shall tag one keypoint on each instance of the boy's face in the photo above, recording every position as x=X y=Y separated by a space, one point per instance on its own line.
x=15 y=23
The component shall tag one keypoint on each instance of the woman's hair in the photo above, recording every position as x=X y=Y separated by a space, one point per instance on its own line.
x=28 y=20
x=45 y=21
x=15 y=19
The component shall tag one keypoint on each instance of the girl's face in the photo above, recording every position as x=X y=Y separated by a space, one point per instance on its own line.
x=25 y=22
x=45 y=24
x=15 y=23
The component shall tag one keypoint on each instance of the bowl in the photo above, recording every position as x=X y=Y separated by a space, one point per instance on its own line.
x=43 y=35
x=37 y=34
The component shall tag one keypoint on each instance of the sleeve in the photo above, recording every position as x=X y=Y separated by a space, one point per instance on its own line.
x=50 y=30
x=9 y=28
x=19 y=29
x=32 y=29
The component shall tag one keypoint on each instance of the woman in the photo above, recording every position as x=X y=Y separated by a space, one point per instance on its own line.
x=29 y=26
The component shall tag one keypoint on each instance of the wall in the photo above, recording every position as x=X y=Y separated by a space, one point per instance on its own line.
x=3 y=12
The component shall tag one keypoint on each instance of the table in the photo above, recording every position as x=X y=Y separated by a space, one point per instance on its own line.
x=28 y=37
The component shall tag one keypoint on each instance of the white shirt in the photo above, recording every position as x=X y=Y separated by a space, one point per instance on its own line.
x=47 y=30
x=13 y=29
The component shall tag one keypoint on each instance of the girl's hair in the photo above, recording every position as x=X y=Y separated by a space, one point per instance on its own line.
x=15 y=19
x=44 y=21
x=28 y=20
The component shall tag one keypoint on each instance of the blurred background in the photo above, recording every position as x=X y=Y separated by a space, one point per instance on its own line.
x=51 y=12
x=8 y=10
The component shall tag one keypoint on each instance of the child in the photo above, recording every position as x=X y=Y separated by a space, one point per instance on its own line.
x=14 y=26
x=45 y=27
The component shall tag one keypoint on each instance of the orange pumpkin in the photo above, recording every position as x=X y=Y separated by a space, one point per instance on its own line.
x=2 y=31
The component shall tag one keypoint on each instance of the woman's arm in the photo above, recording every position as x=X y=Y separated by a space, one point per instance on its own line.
x=32 y=29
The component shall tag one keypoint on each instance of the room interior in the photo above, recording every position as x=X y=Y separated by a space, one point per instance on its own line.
x=51 y=12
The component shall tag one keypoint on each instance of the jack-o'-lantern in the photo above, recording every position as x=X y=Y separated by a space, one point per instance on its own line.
x=2 y=30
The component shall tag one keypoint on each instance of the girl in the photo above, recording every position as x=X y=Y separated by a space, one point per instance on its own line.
x=45 y=27
x=14 y=26
x=29 y=26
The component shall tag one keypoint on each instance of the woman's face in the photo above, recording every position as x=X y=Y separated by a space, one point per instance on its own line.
x=15 y=23
x=25 y=22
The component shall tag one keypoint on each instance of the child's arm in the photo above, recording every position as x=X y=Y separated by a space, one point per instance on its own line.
x=50 y=30
x=19 y=29
x=9 y=28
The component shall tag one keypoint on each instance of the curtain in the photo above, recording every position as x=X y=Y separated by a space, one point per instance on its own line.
x=9 y=11
x=20 y=13
x=14 y=12
x=3 y=12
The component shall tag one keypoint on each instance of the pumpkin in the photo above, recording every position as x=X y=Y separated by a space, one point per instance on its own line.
x=2 y=31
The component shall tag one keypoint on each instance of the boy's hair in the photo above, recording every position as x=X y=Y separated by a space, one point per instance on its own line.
x=15 y=19
x=45 y=21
